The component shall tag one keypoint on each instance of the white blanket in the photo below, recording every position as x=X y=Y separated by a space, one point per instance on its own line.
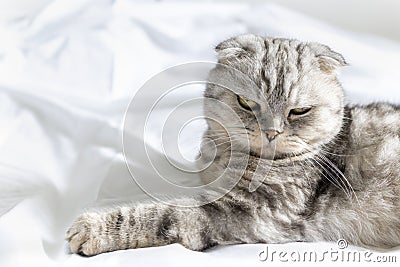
x=67 y=75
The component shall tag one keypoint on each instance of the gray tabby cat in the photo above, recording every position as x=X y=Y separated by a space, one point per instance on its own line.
x=335 y=171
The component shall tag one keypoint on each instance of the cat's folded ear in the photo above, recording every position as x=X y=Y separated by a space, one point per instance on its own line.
x=328 y=59
x=237 y=47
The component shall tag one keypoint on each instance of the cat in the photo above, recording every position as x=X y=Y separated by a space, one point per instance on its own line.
x=323 y=170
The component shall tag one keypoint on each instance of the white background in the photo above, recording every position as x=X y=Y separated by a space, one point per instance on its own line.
x=69 y=68
x=367 y=16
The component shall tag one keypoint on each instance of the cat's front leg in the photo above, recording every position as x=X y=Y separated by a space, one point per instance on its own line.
x=149 y=224
x=142 y=225
x=120 y=228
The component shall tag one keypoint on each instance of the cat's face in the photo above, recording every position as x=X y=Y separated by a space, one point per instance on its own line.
x=299 y=103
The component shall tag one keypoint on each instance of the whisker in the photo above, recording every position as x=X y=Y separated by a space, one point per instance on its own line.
x=341 y=176
x=330 y=163
x=330 y=178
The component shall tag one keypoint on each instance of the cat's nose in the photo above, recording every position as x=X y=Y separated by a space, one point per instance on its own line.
x=271 y=134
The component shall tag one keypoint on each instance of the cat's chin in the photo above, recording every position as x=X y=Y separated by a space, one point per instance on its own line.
x=268 y=152
x=279 y=156
x=265 y=154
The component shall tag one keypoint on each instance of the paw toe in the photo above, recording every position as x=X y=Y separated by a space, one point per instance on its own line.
x=81 y=239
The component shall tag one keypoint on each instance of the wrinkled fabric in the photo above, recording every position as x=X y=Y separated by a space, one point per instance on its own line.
x=67 y=75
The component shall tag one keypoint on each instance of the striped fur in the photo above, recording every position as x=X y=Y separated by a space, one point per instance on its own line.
x=335 y=171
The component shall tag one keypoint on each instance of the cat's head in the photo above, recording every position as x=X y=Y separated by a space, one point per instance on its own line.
x=294 y=102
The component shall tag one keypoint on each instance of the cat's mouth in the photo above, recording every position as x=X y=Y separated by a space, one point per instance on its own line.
x=282 y=156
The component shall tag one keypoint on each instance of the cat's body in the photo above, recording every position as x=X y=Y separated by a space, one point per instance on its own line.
x=335 y=172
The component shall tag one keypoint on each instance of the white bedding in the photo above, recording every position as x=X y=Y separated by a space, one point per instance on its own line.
x=67 y=74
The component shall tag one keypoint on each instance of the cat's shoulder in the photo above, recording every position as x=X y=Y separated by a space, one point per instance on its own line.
x=375 y=118
x=374 y=143
x=376 y=125
x=380 y=108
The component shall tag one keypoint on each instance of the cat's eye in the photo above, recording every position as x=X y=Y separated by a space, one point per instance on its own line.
x=246 y=103
x=299 y=111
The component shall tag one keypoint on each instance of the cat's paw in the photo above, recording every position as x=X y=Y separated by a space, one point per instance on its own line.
x=84 y=237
